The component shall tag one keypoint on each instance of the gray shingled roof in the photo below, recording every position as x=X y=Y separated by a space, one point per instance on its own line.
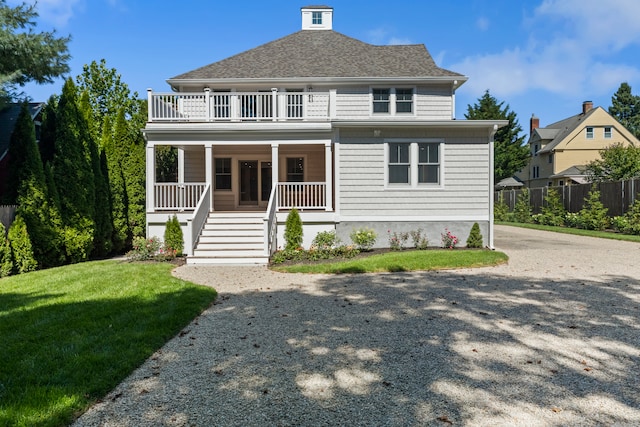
x=564 y=128
x=322 y=53
x=8 y=117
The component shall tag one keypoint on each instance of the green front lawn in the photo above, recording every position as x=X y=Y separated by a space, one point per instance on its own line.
x=396 y=261
x=577 y=231
x=69 y=335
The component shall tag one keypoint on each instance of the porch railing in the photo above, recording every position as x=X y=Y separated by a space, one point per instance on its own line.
x=177 y=196
x=270 y=225
x=302 y=195
x=197 y=220
x=211 y=106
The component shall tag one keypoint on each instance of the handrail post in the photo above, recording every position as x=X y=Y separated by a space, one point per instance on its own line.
x=274 y=103
x=149 y=105
x=207 y=103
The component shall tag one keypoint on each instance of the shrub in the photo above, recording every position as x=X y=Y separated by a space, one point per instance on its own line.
x=522 y=210
x=144 y=249
x=23 y=259
x=449 y=240
x=500 y=209
x=475 y=237
x=78 y=239
x=293 y=231
x=325 y=240
x=572 y=219
x=419 y=241
x=397 y=241
x=364 y=238
x=6 y=259
x=593 y=215
x=629 y=223
x=553 y=211
x=173 y=239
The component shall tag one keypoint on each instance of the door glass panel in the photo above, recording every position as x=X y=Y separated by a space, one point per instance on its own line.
x=265 y=178
x=248 y=182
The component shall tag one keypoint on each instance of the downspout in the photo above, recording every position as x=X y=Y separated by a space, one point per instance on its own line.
x=491 y=184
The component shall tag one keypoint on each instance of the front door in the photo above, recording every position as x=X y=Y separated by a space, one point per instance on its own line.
x=248 y=182
x=255 y=182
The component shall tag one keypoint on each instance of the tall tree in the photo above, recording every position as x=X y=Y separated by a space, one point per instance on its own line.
x=27 y=55
x=48 y=130
x=107 y=94
x=104 y=227
x=510 y=153
x=625 y=107
x=616 y=163
x=73 y=176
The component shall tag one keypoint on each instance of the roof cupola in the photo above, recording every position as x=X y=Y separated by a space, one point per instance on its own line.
x=317 y=17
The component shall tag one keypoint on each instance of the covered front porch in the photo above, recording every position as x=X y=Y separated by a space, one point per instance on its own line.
x=259 y=179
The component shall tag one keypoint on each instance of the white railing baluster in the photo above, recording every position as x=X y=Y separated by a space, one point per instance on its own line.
x=301 y=195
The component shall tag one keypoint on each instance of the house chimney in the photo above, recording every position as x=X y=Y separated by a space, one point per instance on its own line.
x=534 y=124
x=587 y=106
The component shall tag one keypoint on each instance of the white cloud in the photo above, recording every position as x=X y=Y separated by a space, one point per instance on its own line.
x=397 y=40
x=571 y=51
x=482 y=23
x=381 y=36
x=54 y=12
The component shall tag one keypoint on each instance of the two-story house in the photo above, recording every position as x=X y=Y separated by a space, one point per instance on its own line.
x=351 y=134
x=561 y=151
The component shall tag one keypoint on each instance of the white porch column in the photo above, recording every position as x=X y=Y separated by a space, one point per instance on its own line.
x=274 y=169
x=181 y=165
x=208 y=169
x=336 y=154
x=328 y=176
x=150 y=176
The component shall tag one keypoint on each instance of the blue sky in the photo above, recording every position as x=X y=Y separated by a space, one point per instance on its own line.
x=539 y=56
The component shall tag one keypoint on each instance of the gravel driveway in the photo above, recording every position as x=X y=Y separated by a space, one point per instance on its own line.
x=550 y=339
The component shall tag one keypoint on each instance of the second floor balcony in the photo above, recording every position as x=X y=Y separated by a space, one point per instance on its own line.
x=210 y=106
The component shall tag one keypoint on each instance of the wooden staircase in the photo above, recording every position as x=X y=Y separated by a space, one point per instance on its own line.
x=231 y=238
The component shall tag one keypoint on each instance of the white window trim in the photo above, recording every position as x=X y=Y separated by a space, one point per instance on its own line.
x=588 y=135
x=392 y=101
x=413 y=164
x=604 y=132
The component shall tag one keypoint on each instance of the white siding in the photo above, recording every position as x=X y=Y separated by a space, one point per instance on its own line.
x=466 y=177
x=434 y=103
x=353 y=103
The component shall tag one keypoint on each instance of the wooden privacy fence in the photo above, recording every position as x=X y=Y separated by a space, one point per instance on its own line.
x=617 y=196
x=7 y=215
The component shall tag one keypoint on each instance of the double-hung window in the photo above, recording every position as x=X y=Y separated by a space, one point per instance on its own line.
x=316 y=18
x=404 y=100
x=429 y=163
x=381 y=100
x=589 y=133
x=223 y=174
x=608 y=132
x=295 y=169
x=399 y=163
x=414 y=164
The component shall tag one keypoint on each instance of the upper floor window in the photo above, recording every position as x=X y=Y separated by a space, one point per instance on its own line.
x=295 y=169
x=589 y=133
x=316 y=18
x=223 y=174
x=381 y=100
x=404 y=100
x=414 y=163
x=535 y=149
x=550 y=157
x=608 y=132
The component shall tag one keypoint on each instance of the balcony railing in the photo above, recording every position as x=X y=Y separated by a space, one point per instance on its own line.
x=211 y=106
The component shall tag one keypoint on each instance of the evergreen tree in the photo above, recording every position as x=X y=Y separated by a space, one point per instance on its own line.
x=48 y=131
x=293 y=231
x=474 y=240
x=625 y=107
x=6 y=258
x=27 y=55
x=111 y=139
x=510 y=153
x=32 y=195
x=522 y=211
x=73 y=176
x=135 y=179
x=102 y=243
x=173 y=237
x=553 y=211
x=23 y=259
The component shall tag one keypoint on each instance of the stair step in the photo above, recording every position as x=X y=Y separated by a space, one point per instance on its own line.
x=196 y=260
x=219 y=233
x=230 y=240
x=229 y=226
x=228 y=253
x=234 y=220
x=230 y=246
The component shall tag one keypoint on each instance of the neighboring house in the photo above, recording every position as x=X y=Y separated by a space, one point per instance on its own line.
x=351 y=134
x=8 y=116
x=561 y=151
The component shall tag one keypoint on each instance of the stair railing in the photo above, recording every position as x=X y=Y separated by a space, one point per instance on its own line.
x=197 y=220
x=270 y=224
